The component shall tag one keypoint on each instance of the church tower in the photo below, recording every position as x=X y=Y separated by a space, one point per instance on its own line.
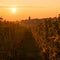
x=29 y=18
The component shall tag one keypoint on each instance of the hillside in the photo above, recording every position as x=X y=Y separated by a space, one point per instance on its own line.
x=36 y=39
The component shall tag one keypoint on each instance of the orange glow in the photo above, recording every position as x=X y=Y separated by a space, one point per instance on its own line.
x=24 y=8
x=13 y=10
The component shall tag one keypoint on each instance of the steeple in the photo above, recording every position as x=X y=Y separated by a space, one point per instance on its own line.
x=29 y=18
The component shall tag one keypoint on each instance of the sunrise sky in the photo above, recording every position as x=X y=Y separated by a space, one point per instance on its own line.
x=21 y=9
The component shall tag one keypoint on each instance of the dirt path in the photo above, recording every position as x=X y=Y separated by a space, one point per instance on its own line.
x=29 y=49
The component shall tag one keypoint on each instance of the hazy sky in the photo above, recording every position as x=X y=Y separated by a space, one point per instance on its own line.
x=25 y=8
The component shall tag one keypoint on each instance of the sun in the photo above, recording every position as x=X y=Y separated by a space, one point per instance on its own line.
x=13 y=10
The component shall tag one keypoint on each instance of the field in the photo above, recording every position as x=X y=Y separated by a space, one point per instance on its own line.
x=30 y=40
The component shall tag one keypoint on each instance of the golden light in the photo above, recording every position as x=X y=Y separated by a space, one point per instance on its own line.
x=13 y=10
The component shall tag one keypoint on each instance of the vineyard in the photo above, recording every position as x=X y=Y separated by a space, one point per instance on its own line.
x=30 y=40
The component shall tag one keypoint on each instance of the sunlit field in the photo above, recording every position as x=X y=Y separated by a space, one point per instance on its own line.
x=32 y=39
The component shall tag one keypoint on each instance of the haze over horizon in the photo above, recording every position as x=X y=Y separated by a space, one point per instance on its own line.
x=25 y=8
